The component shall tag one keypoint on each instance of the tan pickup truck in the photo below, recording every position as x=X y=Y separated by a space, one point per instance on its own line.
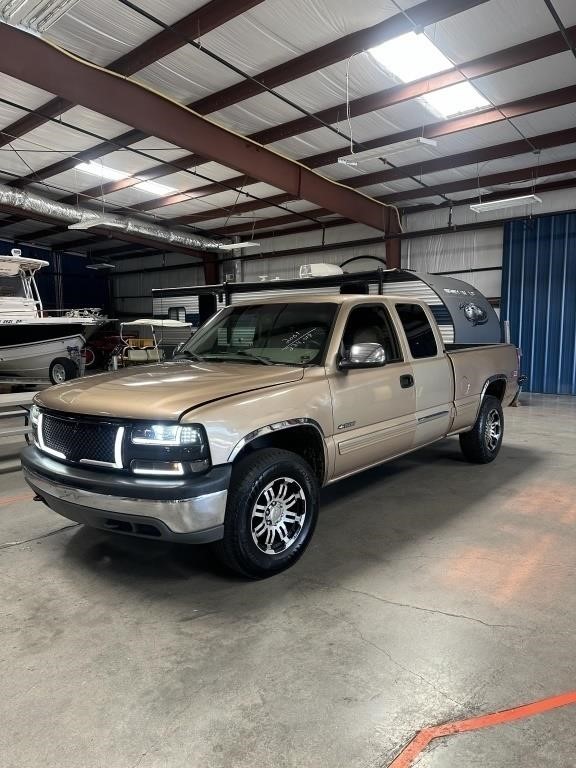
x=231 y=442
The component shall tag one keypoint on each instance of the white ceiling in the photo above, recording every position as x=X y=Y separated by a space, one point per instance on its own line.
x=269 y=35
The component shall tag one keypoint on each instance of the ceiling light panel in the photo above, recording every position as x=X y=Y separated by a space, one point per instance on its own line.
x=39 y=15
x=412 y=57
x=111 y=174
x=456 y=100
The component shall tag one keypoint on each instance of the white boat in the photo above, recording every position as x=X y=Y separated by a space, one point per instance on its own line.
x=33 y=344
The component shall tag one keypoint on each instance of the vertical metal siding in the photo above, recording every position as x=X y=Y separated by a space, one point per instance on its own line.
x=539 y=299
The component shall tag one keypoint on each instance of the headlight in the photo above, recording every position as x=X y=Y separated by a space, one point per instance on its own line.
x=162 y=434
x=168 y=449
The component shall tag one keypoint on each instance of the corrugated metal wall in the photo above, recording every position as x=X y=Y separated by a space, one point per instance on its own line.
x=133 y=289
x=473 y=256
x=539 y=299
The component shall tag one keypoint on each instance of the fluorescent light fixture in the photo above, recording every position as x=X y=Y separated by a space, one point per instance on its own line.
x=104 y=172
x=388 y=151
x=38 y=15
x=508 y=202
x=413 y=56
x=233 y=246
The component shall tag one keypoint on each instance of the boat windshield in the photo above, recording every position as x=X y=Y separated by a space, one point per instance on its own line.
x=11 y=287
x=269 y=334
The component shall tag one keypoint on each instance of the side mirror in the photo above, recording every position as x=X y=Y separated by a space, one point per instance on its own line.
x=365 y=355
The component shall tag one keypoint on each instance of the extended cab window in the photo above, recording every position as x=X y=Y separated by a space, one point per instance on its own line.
x=370 y=323
x=286 y=334
x=418 y=330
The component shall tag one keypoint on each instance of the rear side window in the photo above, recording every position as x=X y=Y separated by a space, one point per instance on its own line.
x=418 y=331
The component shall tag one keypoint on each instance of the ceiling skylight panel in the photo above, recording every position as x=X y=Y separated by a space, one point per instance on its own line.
x=413 y=57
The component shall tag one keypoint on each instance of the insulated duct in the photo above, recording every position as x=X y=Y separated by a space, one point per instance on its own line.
x=26 y=202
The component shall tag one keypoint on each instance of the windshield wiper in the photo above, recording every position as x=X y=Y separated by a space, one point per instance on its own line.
x=257 y=358
x=187 y=355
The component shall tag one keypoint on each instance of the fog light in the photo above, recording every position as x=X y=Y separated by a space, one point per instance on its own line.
x=157 y=468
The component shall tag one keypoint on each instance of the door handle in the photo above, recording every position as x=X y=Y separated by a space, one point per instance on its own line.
x=406 y=381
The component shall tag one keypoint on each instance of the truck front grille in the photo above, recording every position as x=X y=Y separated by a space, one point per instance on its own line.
x=82 y=442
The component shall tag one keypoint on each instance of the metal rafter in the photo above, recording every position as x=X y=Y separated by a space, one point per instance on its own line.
x=489 y=116
x=497 y=151
x=531 y=173
x=30 y=59
x=195 y=24
x=423 y=14
x=508 y=58
x=549 y=186
x=526 y=106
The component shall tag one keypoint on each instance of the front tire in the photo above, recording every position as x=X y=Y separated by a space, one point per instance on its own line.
x=482 y=444
x=271 y=513
x=62 y=369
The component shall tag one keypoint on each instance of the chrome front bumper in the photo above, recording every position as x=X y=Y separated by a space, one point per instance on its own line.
x=198 y=518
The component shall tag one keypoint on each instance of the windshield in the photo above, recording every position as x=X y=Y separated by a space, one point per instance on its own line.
x=11 y=286
x=286 y=334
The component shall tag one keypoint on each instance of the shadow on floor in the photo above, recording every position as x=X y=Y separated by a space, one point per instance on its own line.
x=368 y=517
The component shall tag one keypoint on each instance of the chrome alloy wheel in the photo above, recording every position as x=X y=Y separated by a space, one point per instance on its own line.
x=493 y=431
x=278 y=516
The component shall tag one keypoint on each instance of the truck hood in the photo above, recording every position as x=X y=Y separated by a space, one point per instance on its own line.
x=162 y=392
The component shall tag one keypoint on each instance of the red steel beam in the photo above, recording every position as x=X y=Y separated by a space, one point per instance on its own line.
x=496 y=62
x=529 y=105
x=425 y=13
x=508 y=149
x=549 y=186
x=422 y=15
x=195 y=24
x=515 y=56
x=32 y=60
x=532 y=173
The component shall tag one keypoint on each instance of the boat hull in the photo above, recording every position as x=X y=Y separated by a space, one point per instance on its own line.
x=33 y=359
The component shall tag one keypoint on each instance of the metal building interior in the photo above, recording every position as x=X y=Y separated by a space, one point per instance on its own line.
x=162 y=144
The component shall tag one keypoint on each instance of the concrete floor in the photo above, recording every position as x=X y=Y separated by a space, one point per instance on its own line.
x=433 y=590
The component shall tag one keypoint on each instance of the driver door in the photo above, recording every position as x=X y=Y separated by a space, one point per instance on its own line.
x=374 y=408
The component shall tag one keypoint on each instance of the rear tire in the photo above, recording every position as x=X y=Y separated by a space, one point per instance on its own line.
x=271 y=513
x=62 y=369
x=482 y=444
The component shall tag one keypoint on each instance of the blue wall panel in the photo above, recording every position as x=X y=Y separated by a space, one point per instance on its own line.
x=539 y=299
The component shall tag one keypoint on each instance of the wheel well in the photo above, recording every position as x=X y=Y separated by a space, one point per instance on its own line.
x=497 y=389
x=305 y=441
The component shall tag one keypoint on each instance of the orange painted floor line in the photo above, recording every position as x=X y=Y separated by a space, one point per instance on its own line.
x=4 y=500
x=423 y=738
